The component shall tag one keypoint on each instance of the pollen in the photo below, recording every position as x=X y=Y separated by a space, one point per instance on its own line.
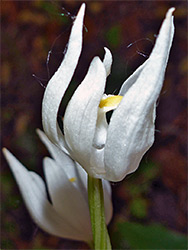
x=73 y=179
x=110 y=101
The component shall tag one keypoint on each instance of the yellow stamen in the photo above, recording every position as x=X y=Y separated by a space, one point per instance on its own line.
x=111 y=101
x=72 y=179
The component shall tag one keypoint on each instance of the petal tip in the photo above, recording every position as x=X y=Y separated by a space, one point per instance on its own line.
x=47 y=160
x=4 y=150
x=107 y=61
x=96 y=60
x=39 y=132
x=83 y=6
x=5 y=153
x=170 y=12
x=82 y=9
x=106 y=49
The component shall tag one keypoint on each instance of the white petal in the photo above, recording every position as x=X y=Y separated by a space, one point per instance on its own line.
x=107 y=61
x=81 y=114
x=67 y=199
x=33 y=191
x=60 y=81
x=131 y=129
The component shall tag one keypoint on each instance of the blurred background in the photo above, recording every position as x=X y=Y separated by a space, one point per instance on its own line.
x=150 y=204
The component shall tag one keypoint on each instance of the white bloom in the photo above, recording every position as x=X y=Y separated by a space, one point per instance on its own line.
x=68 y=215
x=113 y=150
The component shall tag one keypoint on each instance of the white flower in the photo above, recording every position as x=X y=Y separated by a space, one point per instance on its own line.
x=68 y=214
x=113 y=150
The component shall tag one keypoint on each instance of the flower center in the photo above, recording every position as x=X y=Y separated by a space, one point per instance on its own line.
x=110 y=101
x=73 y=179
x=107 y=103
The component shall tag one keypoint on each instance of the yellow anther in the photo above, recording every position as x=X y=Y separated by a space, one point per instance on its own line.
x=72 y=179
x=110 y=101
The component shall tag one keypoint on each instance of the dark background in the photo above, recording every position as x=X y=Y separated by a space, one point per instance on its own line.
x=30 y=29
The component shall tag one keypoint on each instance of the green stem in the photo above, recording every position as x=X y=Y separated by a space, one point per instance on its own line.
x=96 y=205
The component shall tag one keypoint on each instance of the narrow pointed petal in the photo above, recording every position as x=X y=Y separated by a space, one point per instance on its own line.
x=131 y=129
x=33 y=191
x=66 y=197
x=60 y=81
x=107 y=61
x=81 y=114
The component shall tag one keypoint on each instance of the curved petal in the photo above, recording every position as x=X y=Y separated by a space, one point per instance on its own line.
x=60 y=81
x=107 y=61
x=33 y=191
x=131 y=129
x=81 y=114
x=67 y=198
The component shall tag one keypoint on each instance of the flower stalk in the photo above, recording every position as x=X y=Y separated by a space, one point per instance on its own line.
x=101 y=238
